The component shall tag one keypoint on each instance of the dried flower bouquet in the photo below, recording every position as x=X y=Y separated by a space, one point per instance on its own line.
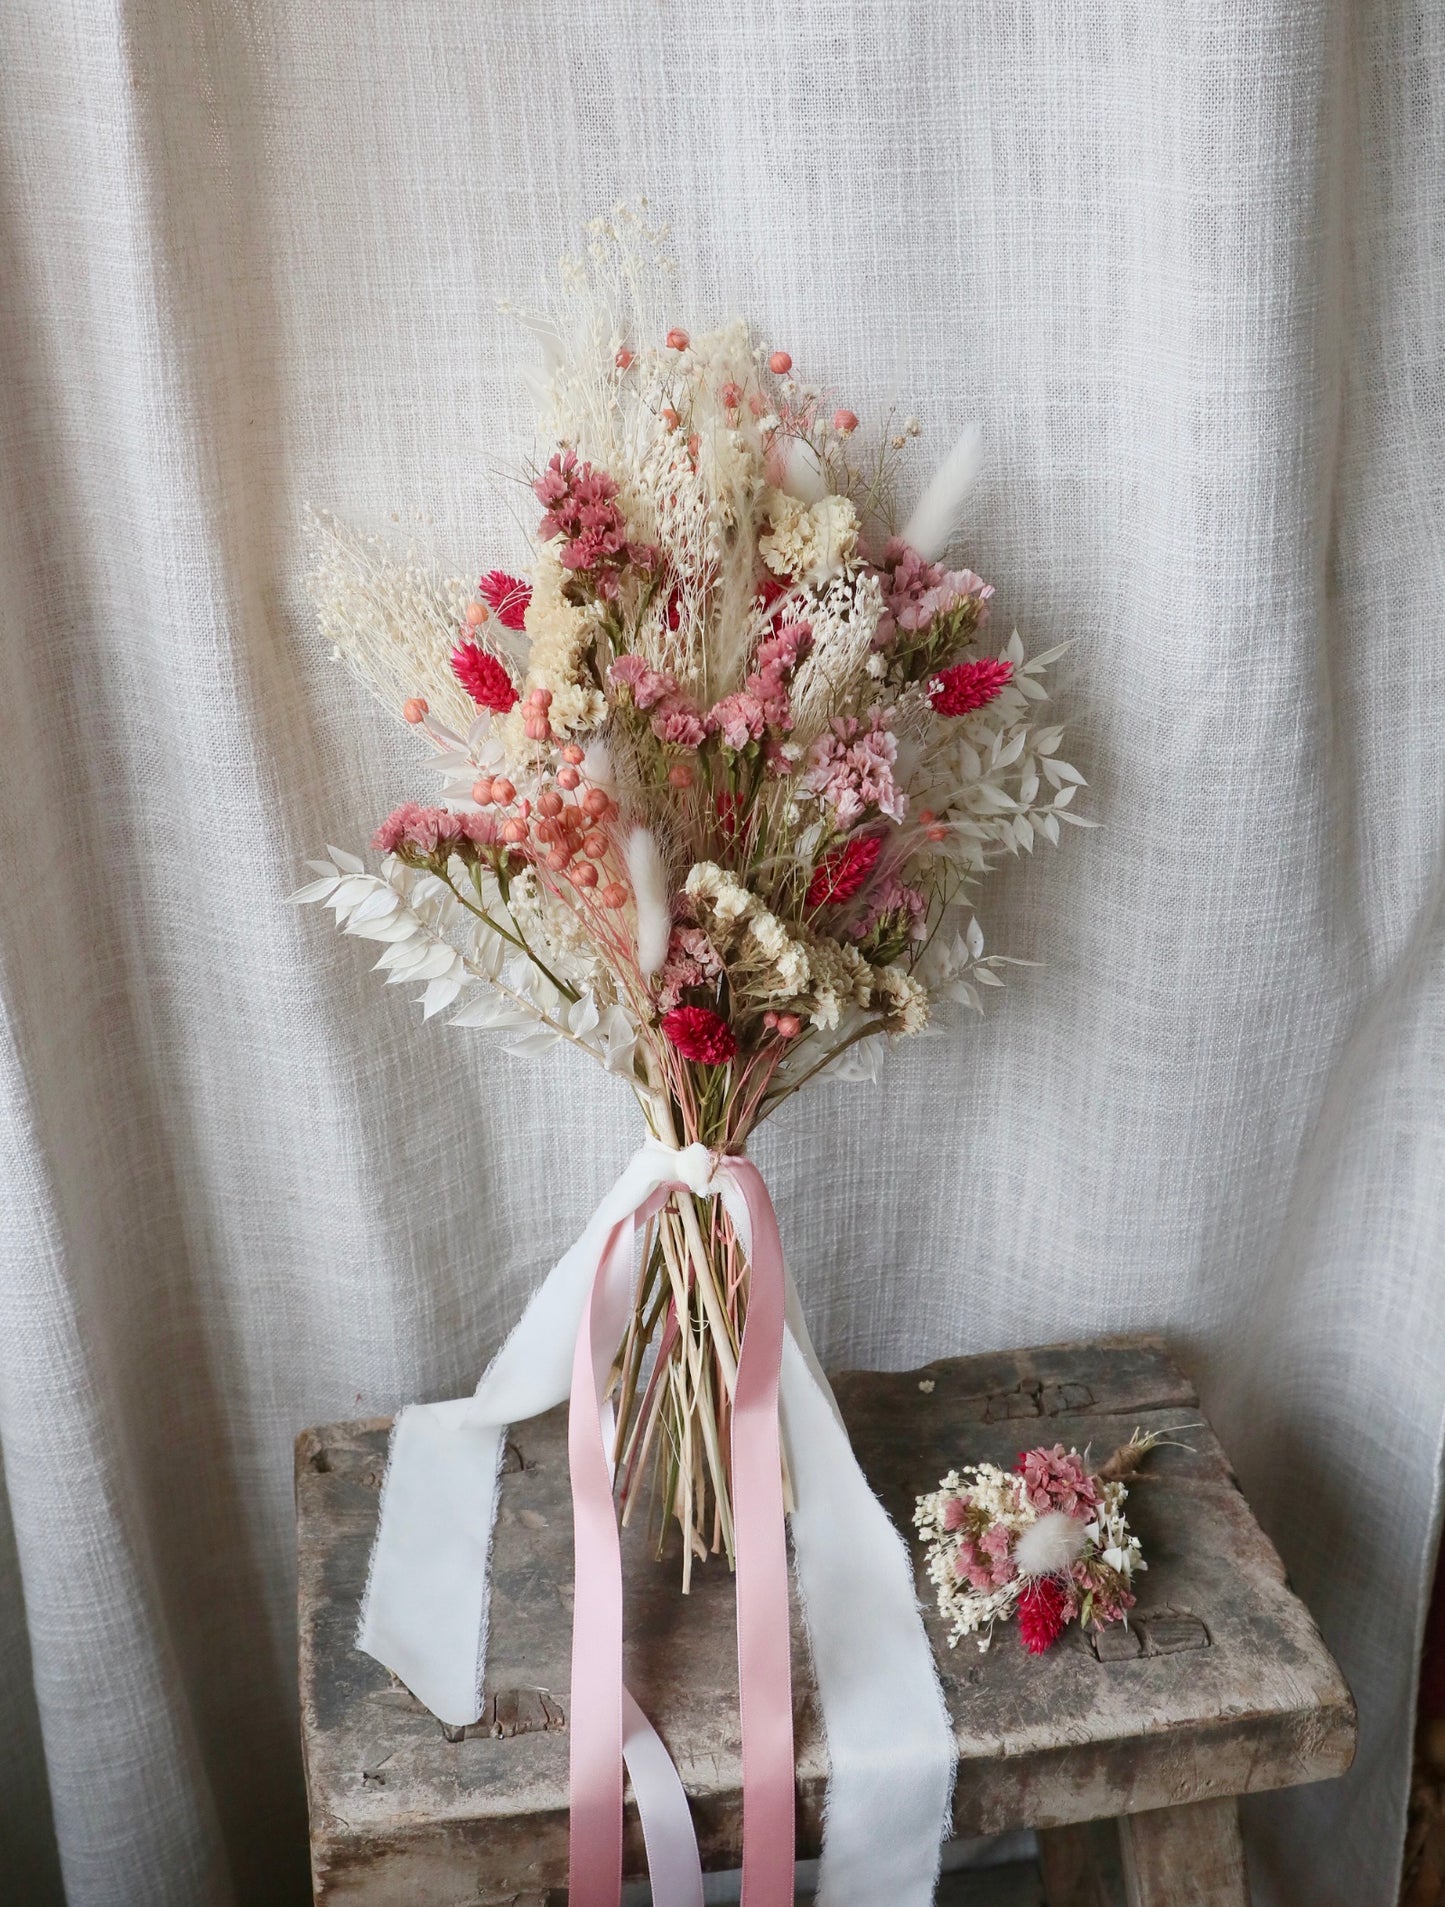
x=718 y=779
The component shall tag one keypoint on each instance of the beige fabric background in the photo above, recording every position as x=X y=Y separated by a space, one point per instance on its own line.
x=1185 y=262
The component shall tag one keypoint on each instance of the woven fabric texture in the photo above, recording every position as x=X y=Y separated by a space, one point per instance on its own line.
x=1185 y=264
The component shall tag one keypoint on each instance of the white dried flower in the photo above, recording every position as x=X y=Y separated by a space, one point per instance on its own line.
x=810 y=542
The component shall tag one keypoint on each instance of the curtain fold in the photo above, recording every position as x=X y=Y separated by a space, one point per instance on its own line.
x=1186 y=267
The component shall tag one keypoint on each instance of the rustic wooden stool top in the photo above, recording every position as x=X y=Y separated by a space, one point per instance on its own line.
x=1220 y=1686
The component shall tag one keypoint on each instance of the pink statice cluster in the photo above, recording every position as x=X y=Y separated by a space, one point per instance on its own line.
x=916 y=592
x=581 y=509
x=851 y=767
x=893 y=904
x=761 y=704
x=418 y=833
x=692 y=961
x=1057 y=1480
x=986 y=1561
x=676 y=719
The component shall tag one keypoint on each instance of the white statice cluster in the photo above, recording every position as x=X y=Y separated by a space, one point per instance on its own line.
x=1001 y=1503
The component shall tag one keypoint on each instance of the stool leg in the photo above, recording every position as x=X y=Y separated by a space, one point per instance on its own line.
x=1184 y=1857
x=1080 y=1865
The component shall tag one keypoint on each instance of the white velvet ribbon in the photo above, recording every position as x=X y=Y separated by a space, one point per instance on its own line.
x=425 y=1613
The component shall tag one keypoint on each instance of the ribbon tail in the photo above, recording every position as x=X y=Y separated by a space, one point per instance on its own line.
x=426 y=1608
x=765 y=1697
x=673 y=1867
x=891 y=1747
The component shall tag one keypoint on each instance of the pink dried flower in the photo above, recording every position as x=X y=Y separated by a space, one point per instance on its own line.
x=692 y=961
x=898 y=906
x=414 y=830
x=484 y=678
x=581 y=510
x=970 y=685
x=761 y=704
x=648 y=686
x=507 y=597
x=1057 y=1480
x=983 y=1566
x=700 y=1034
x=1110 y=1598
x=677 y=722
x=915 y=592
x=851 y=767
x=739 y=718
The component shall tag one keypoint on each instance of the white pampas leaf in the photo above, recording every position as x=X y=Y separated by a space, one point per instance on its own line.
x=649 y=891
x=937 y=513
x=1049 y=1545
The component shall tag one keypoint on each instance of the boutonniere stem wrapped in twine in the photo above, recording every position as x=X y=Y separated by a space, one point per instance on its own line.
x=716 y=781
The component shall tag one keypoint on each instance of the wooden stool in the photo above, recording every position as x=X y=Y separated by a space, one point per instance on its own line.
x=1220 y=1685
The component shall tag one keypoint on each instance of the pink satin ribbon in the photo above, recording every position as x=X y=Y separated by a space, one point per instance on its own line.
x=604 y=1715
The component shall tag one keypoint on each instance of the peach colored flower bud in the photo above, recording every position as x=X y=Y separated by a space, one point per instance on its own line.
x=770 y=1019
x=937 y=832
x=596 y=803
x=925 y=815
x=574 y=753
x=613 y=895
x=413 y=710
x=780 y=364
x=482 y=790
x=680 y=775
x=757 y=403
x=537 y=727
x=549 y=804
x=568 y=778
x=574 y=820
x=677 y=339
x=845 y=422
x=558 y=858
x=514 y=832
x=623 y=358
x=540 y=698
x=595 y=845
x=731 y=395
x=584 y=875
x=789 y=1026
x=503 y=792
x=670 y=417
x=476 y=614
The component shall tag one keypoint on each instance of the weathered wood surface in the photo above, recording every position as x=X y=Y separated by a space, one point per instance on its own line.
x=1221 y=1686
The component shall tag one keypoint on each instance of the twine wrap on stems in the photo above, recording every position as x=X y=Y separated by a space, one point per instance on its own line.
x=890 y=1743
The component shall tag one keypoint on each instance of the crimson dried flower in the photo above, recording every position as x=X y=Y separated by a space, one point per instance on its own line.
x=843 y=870
x=1043 y=1610
x=484 y=678
x=970 y=685
x=700 y=1034
x=507 y=597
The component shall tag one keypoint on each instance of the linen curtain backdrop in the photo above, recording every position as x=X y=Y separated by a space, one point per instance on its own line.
x=1184 y=263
